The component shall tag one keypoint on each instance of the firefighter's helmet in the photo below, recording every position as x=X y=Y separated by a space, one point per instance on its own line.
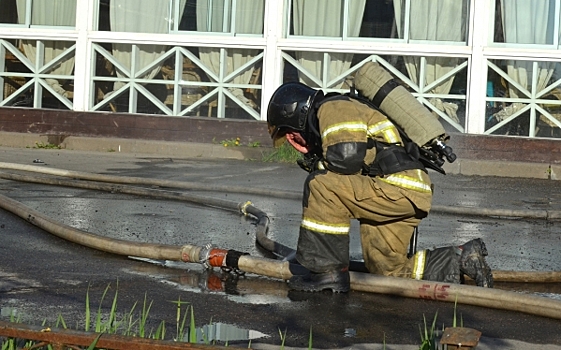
x=288 y=110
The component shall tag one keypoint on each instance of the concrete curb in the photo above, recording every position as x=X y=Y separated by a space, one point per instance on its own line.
x=472 y=167
x=467 y=167
x=132 y=146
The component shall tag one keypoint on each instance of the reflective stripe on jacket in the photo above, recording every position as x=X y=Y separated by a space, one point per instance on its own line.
x=345 y=127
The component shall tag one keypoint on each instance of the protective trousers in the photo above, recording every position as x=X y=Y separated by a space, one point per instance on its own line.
x=386 y=215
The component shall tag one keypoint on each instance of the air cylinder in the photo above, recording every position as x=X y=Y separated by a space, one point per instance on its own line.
x=375 y=83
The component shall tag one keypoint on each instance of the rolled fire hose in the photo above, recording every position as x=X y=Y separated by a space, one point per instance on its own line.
x=215 y=257
x=261 y=234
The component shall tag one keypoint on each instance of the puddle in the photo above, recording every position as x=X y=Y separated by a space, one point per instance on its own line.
x=11 y=312
x=545 y=290
x=224 y=333
x=11 y=283
x=207 y=334
x=349 y=333
x=241 y=289
x=550 y=296
x=8 y=312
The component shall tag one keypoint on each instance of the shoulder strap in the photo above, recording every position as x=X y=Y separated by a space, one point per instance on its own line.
x=333 y=96
x=424 y=156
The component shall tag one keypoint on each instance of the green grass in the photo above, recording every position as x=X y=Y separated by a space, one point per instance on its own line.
x=134 y=323
x=284 y=154
x=46 y=145
x=429 y=336
x=236 y=142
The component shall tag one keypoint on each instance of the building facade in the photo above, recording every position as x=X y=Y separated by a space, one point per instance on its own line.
x=483 y=66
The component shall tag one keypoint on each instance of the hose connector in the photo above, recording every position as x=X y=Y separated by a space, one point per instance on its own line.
x=204 y=256
x=243 y=207
x=211 y=256
x=190 y=253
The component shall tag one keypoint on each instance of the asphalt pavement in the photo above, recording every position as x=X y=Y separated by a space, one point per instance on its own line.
x=42 y=276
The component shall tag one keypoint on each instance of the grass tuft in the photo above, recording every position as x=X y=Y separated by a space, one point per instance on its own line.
x=133 y=324
x=428 y=337
x=192 y=329
x=283 y=338
x=42 y=145
x=284 y=154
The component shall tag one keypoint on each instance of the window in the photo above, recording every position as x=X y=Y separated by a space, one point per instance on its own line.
x=432 y=20
x=231 y=17
x=183 y=81
x=435 y=21
x=29 y=13
x=527 y=23
x=524 y=98
x=226 y=17
x=37 y=73
x=524 y=95
x=438 y=82
x=140 y=16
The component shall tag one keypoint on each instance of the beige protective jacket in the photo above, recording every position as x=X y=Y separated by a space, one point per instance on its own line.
x=388 y=208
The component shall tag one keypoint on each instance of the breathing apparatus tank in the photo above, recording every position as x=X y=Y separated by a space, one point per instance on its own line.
x=423 y=128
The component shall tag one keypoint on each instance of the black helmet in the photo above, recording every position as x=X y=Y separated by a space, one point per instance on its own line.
x=288 y=109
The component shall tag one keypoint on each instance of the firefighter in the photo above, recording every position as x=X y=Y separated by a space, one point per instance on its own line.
x=359 y=169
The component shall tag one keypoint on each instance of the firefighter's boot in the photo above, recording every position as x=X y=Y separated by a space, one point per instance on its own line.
x=338 y=281
x=440 y=265
x=473 y=264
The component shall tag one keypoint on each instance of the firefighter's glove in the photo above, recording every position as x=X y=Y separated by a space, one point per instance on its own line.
x=311 y=163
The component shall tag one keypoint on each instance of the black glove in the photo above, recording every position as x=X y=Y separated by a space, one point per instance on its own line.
x=310 y=163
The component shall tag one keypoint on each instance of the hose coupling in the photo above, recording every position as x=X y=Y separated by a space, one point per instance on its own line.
x=243 y=207
x=204 y=256
x=211 y=256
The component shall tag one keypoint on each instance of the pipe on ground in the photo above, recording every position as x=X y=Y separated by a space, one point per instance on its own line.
x=187 y=253
x=528 y=214
x=130 y=180
x=463 y=294
x=262 y=227
x=498 y=275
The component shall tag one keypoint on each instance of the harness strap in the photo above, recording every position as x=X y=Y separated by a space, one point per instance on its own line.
x=384 y=91
x=391 y=159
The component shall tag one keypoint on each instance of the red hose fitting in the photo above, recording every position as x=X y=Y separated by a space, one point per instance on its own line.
x=216 y=257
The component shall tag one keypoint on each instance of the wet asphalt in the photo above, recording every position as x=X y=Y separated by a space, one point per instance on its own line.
x=43 y=276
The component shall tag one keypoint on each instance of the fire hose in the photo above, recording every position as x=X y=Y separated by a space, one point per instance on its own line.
x=212 y=257
x=131 y=180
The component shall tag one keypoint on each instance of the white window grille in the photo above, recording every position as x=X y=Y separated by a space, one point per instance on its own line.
x=496 y=61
